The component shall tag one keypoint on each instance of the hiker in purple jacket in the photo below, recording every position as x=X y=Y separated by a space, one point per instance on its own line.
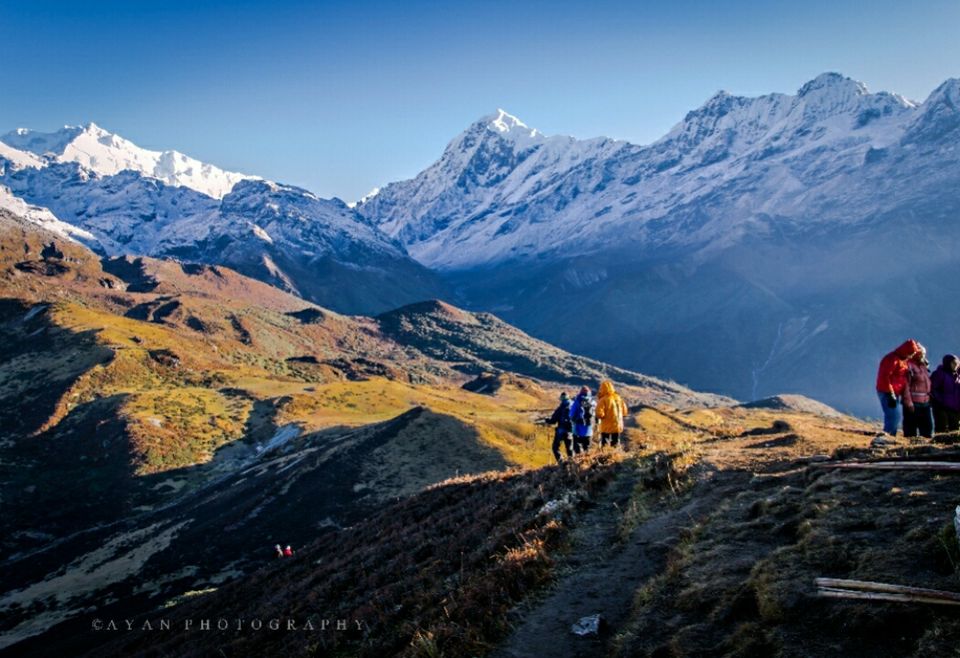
x=945 y=394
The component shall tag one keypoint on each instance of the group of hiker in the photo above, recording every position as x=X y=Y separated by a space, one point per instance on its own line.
x=926 y=403
x=576 y=419
x=283 y=552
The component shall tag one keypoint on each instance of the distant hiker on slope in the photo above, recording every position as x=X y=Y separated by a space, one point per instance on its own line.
x=561 y=418
x=581 y=413
x=610 y=412
x=279 y=551
x=917 y=414
x=288 y=552
x=945 y=392
x=891 y=382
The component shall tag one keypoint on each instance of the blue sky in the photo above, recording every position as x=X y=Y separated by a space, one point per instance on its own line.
x=341 y=96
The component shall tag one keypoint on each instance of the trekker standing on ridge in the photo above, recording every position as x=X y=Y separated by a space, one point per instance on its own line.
x=891 y=381
x=610 y=412
x=945 y=393
x=288 y=552
x=581 y=413
x=561 y=418
x=278 y=550
x=917 y=414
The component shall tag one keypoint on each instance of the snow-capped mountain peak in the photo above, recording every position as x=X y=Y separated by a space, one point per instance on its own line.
x=504 y=122
x=948 y=92
x=833 y=84
x=107 y=154
x=503 y=192
x=938 y=121
x=41 y=143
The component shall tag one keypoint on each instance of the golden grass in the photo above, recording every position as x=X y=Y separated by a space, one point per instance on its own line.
x=500 y=421
x=173 y=427
x=177 y=414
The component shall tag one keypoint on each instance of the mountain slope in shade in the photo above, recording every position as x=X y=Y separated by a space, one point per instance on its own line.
x=42 y=217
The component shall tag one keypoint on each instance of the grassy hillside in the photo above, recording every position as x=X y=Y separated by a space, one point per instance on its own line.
x=703 y=540
x=132 y=391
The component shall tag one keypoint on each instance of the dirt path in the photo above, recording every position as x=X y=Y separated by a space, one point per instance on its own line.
x=601 y=574
x=752 y=493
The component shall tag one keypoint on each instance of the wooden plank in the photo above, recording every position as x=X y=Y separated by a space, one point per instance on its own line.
x=882 y=596
x=865 y=585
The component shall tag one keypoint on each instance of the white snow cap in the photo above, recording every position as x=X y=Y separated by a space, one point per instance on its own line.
x=20 y=159
x=834 y=81
x=108 y=154
x=505 y=122
x=366 y=197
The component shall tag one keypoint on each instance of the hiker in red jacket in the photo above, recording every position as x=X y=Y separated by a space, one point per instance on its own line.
x=917 y=413
x=891 y=382
x=288 y=552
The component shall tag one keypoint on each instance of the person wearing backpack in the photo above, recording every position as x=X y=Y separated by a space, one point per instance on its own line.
x=581 y=413
x=610 y=412
x=561 y=418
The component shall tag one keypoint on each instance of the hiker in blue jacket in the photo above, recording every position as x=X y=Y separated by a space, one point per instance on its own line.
x=561 y=418
x=581 y=413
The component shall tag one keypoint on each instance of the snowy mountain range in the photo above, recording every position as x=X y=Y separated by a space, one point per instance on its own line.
x=759 y=243
x=503 y=192
x=123 y=200
x=107 y=154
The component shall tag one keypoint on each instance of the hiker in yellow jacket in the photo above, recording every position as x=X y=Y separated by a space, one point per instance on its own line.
x=610 y=412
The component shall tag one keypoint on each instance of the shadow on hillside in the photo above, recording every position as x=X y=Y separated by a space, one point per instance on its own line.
x=403 y=559
x=68 y=478
x=39 y=361
x=305 y=490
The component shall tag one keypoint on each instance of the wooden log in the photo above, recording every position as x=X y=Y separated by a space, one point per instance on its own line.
x=883 y=596
x=865 y=585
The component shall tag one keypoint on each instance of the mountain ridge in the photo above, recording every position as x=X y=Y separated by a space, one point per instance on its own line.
x=489 y=199
x=789 y=210
x=107 y=154
x=774 y=203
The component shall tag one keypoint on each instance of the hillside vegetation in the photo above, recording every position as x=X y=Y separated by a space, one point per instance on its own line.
x=153 y=404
